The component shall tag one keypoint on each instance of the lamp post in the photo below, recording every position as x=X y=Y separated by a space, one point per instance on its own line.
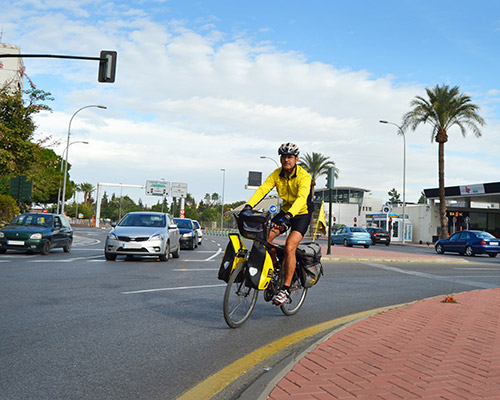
x=401 y=132
x=272 y=159
x=67 y=146
x=222 y=210
x=59 y=189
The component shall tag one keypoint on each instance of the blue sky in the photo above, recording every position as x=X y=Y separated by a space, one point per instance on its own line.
x=205 y=85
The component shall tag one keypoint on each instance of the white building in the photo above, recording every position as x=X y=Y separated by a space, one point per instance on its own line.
x=11 y=68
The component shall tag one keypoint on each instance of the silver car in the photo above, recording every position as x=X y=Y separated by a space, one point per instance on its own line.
x=143 y=234
x=197 y=226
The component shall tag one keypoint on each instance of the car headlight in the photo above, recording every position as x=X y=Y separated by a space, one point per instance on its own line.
x=36 y=236
x=157 y=237
x=112 y=235
x=188 y=234
x=2 y=235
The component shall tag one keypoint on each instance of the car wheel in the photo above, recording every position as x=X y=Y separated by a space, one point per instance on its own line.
x=469 y=252
x=109 y=256
x=196 y=240
x=164 y=257
x=492 y=255
x=46 y=247
x=439 y=249
x=176 y=253
x=193 y=244
x=346 y=243
x=367 y=246
x=373 y=242
x=3 y=251
x=67 y=246
x=387 y=244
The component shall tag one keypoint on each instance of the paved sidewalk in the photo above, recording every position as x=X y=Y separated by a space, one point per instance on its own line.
x=425 y=350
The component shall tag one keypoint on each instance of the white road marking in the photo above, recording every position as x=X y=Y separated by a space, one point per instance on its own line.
x=175 y=288
x=431 y=276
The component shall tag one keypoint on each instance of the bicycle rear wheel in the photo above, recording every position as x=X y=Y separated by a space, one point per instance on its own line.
x=239 y=299
x=297 y=296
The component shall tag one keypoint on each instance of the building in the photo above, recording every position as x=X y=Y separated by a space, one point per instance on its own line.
x=11 y=68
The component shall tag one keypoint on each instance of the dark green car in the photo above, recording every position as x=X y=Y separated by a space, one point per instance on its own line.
x=36 y=233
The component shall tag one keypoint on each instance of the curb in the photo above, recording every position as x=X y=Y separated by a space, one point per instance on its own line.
x=392 y=259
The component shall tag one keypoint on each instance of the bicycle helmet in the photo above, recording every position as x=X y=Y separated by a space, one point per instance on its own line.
x=288 y=148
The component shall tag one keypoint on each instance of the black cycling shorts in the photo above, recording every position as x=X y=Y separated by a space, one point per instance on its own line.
x=300 y=223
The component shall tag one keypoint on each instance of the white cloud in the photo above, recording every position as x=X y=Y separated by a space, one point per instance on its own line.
x=186 y=104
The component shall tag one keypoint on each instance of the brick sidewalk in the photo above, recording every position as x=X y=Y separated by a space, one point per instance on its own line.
x=425 y=350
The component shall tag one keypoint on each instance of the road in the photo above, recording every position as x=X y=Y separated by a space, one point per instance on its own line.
x=76 y=326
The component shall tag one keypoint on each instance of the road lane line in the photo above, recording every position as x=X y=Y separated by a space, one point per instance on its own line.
x=174 y=288
x=434 y=277
x=214 y=384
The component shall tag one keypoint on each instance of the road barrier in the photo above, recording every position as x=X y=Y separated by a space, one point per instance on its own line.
x=219 y=232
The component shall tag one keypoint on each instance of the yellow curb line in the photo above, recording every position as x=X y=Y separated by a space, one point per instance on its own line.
x=208 y=388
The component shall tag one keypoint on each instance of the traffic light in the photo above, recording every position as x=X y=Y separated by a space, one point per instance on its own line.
x=330 y=178
x=107 y=66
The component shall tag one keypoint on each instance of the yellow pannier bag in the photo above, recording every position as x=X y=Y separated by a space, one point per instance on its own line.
x=234 y=255
x=260 y=267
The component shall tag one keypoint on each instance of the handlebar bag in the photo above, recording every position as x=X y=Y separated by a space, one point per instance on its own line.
x=260 y=267
x=309 y=256
x=233 y=256
x=253 y=224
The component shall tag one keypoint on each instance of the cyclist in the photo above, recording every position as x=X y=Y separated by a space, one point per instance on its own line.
x=293 y=184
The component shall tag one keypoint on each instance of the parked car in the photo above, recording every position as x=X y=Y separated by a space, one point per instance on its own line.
x=352 y=235
x=199 y=231
x=37 y=233
x=189 y=236
x=143 y=234
x=469 y=243
x=379 y=235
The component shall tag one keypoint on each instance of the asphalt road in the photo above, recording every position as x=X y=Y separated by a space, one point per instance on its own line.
x=76 y=326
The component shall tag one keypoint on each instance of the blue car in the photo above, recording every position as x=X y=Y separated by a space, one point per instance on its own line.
x=352 y=235
x=469 y=243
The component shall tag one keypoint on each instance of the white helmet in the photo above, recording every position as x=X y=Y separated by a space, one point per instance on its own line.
x=288 y=148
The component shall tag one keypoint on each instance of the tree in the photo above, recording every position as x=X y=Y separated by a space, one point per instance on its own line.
x=393 y=196
x=87 y=190
x=422 y=199
x=317 y=165
x=444 y=108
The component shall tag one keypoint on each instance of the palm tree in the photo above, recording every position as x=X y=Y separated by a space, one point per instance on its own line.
x=444 y=108
x=87 y=190
x=317 y=165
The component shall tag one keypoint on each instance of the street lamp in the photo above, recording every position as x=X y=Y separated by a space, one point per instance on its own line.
x=401 y=132
x=67 y=146
x=223 y=184
x=62 y=158
x=272 y=159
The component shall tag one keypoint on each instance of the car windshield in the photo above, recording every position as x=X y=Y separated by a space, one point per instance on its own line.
x=33 y=220
x=357 y=230
x=183 y=223
x=151 y=220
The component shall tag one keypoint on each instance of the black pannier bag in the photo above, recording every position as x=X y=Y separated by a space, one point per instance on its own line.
x=234 y=255
x=260 y=267
x=310 y=259
x=253 y=224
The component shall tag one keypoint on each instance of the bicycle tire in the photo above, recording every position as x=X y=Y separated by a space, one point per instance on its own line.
x=297 y=297
x=239 y=299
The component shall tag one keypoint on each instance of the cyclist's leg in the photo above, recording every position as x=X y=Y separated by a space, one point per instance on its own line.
x=292 y=242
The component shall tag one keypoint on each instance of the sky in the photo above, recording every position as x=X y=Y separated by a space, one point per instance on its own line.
x=205 y=86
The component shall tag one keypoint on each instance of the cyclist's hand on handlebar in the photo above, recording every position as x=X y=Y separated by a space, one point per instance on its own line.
x=247 y=207
x=285 y=221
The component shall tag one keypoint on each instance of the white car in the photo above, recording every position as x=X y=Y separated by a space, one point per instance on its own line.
x=144 y=234
x=198 y=229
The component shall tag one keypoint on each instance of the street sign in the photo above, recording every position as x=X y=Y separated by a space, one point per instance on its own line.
x=157 y=188
x=179 y=190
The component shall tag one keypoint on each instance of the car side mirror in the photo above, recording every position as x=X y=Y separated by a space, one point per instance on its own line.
x=113 y=224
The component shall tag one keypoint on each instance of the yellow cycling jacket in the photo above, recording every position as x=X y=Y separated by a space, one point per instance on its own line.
x=295 y=191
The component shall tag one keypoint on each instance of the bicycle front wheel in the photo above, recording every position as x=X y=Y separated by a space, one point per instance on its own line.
x=297 y=296
x=239 y=299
